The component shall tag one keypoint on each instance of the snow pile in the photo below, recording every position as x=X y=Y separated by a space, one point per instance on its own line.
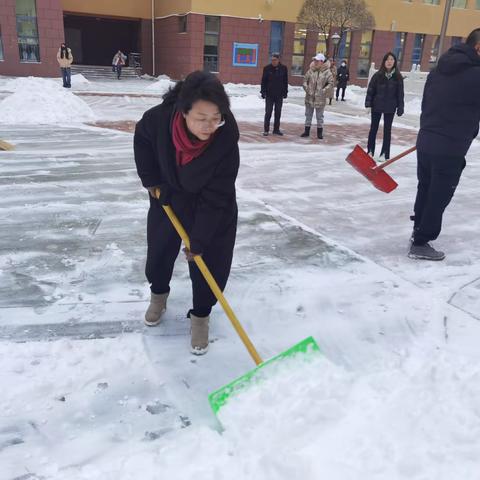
x=415 y=418
x=43 y=101
x=413 y=106
x=161 y=85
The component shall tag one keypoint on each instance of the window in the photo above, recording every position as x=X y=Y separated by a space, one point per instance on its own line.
x=478 y=4
x=1 y=47
x=399 y=46
x=344 y=46
x=210 y=48
x=432 y=60
x=276 y=37
x=459 y=4
x=182 y=24
x=322 y=44
x=27 y=31
x=456 y=41
x=298 y=49
x=364 y=56
x=417 y=48
x=432 y=2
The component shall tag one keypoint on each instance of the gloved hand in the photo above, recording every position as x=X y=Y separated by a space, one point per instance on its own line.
x=165 y=193
x=399 y=112
x=190 y=255
x=285 y=96
x=263 y=95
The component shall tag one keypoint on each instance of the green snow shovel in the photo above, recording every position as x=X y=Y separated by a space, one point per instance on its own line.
x=220 y=397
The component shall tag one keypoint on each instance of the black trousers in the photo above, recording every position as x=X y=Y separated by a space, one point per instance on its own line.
x=438 y=177
x=387 y=133
x=340 y=87
x=271 y=102
x=163 y=249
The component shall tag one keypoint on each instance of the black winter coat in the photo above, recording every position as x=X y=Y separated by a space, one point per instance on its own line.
x=451 y=104
x=202 y=191
x=275 y=81
x=343 y=75
x=385 y=95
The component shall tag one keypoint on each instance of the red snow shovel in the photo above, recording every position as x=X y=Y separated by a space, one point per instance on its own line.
x=361 y=161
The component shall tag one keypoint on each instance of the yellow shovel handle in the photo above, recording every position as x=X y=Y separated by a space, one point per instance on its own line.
x=212 y=283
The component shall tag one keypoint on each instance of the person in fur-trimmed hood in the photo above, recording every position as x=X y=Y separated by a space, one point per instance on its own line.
x=317 y=83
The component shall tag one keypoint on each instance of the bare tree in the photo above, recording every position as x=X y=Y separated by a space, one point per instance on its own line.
x=324 y=16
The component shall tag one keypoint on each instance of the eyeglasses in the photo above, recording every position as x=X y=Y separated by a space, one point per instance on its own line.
x=205 y=123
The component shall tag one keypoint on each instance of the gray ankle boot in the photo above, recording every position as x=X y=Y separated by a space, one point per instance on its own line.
x=156 y=309
x=425 y=252
x=199 y=341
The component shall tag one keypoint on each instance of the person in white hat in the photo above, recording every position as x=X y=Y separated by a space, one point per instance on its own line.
x=318 y=81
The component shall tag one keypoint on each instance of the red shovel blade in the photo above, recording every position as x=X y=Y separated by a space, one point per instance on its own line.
x=365 y=164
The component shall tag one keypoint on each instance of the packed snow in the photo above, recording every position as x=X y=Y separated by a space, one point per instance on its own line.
x=88 y=393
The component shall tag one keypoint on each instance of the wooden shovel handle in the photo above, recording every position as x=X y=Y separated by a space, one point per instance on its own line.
x=394 y=159
x=212 y=283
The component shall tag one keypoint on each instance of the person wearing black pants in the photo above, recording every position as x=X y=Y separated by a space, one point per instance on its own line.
x=448 y=124
x=385 y=97
x=343 y=75
x=274 y=89
x=187 y=149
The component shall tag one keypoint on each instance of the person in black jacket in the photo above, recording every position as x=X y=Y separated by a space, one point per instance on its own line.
x=188 y=148
x=274 y=89
x=343 y=75
x=384 y=97
x=448 y=124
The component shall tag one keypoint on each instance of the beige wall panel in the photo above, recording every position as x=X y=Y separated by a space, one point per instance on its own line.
x=117 y=8
x=169 y=7
x=284 y=10
x=402 y=16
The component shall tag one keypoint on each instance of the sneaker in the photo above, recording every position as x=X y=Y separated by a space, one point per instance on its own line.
x=343 y=99
x=425 y=252
x=278 y=132
x=265 y=134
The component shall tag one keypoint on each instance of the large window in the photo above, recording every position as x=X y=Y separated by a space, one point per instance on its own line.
x=27 y=31
x=399 y=46
x=322 y=44
x=210 y=48
x=1 y=46
x=460 y=3
x=417 y=48
x=298 y=49
x=364 y=56
x=478 y=4
x=432 y=2
x=276 y=37
x=344 y=46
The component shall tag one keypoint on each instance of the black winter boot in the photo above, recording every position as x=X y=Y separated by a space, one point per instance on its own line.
x=306 y=133
x=320 y=133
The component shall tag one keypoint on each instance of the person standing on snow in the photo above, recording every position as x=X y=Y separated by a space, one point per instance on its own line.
x=343 y=75
x=384 y=97
x=65 y=60
x=331 y=91
x=274 y=89
x=118 y=62
x=448 y=124
x=318 y=80
x=188 y=148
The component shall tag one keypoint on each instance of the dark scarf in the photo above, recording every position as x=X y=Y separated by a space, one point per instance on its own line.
x=186 y=148
x=64 y=52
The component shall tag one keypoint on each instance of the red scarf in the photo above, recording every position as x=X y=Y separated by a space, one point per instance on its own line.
x=186 y=148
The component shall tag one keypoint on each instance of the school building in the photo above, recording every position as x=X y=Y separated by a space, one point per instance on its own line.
x=230 y=37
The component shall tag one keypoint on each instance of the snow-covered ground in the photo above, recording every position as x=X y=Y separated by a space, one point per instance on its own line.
x=88 y=393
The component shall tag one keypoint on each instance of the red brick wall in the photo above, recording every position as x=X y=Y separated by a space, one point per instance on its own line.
x=383 y=42
x=51 y=35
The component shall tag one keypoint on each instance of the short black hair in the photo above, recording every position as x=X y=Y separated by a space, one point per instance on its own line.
x=198 y=85
x=473 y=38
